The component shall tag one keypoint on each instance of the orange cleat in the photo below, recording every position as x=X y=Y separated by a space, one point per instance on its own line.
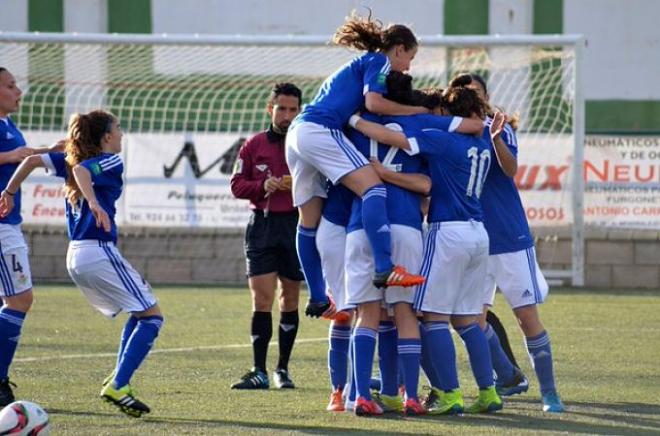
x=397 y=276
x=364 y=407
x=341 y=317
x=412 y=407
x=336 y=401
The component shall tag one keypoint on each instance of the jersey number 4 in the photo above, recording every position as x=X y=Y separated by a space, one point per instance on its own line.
x=478 y=170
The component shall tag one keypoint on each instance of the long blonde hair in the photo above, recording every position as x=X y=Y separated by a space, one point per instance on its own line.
x=83 y=141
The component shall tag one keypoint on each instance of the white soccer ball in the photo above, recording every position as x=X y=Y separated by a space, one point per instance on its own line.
x=23 y=418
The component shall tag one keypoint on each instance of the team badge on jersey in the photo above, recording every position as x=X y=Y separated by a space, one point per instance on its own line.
x=238 y=166
x=262 y=167
x=96 y=168
x=382 y=79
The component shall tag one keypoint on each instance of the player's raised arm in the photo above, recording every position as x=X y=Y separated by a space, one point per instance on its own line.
x=379 y=132
x=24 y=169
x=505 y=158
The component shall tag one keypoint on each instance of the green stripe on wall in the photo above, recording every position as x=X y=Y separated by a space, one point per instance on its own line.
x=129 y=16
x=466 y=17
x=548 y=16
x=622 y=116
x=45 y=16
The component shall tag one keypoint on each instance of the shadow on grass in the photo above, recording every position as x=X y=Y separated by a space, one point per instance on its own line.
x=506 y=420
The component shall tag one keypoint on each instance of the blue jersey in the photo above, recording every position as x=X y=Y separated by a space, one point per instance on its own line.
x=458 y=165
x=106 y=171
x=403 y=206
x=10 y=139
x=337 y=206
x=342 y=94
x=504 y=214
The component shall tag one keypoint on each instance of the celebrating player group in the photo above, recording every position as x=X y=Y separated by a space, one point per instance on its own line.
x=409 y=220
x=394 y=157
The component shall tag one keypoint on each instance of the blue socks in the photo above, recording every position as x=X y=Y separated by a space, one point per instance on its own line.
x=426 y=361
x=364 y=345
x=443 y=354
x=310 y=261
x=477 y=348
x=540 y=354
x=340 y=339
x=501 y=363
x=388 y=361
x=11 y=322
x=137 y=348
x=377 y=226
x=131 y=322
x=410 y=351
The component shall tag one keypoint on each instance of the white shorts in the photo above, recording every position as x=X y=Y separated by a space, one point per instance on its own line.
x=407 y=249
x=519 y=278
x=314 y=153
x=108 y=281
x=331 y=243
x=15 y=276
x=455 y=266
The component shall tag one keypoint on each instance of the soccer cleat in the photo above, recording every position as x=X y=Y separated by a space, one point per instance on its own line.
x=413 y=408
x=109 y=378
x=254 y=379
x=6 y=394
x=552 y=403
x=389 y=403
x=448 y=403
x=124 y=399
x=431 y=400
x=487 y=402
x=397 y=276
x=282 y=380
x=341 y=317
x=518 y=385
x=317 y=309
x=364 y=407
x=336 y=403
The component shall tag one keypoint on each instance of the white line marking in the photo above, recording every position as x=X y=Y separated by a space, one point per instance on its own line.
x=157 y=351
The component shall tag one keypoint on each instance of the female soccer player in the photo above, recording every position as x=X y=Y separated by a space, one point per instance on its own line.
x=316 y=146
x=92 y=170
x=16 y=288
x=512 y=267
x=456 y=247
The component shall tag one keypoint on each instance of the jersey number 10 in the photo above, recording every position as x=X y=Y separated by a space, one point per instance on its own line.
x=478 y=170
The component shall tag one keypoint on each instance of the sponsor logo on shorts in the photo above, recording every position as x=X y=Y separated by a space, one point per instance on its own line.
x=22 y=279
x=526 y=294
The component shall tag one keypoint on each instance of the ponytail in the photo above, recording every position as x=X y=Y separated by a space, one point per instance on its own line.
x=83 y=141
x=364 y=34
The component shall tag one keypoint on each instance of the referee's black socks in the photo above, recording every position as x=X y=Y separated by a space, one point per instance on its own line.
x=262 y=331
x=287 y=336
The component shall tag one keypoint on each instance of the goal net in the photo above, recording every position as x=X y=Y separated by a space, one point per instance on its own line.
x=186 y=103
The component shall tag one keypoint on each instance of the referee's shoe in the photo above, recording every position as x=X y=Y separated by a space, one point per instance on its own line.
x=253 y=379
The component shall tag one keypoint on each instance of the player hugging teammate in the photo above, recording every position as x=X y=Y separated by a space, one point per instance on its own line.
x=444 y=152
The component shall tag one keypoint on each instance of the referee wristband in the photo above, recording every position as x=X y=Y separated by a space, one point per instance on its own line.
x=11 y=194
x=353 y=120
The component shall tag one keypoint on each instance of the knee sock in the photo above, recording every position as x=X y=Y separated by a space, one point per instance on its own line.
x=443 y=354
x=340 y=336
x=501 y=364
x=142 y=339
x=410 y=350
x=364 y=345
x=310 y=262
x=540 y=354
x=261 y=332
x=11 y=322
x=477 y=348
x=377 y=226
x=388 y=358
x=287 y=336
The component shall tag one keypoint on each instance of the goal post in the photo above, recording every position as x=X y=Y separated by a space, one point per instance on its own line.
x=210 y=92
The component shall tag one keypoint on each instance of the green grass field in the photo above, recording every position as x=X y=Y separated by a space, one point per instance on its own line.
x=606 y=347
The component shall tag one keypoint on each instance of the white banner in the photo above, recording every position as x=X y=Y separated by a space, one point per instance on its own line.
x=177 y=180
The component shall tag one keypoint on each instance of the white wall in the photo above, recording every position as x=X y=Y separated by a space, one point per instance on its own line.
x=287 y=17
x=622 y=59
x=13 y=15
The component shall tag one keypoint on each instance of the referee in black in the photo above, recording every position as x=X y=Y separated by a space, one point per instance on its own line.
x=261 y=175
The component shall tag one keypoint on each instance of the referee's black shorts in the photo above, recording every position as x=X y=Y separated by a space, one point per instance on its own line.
x=270 y=245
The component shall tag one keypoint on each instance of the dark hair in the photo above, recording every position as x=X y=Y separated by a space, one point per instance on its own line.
x=3 y=69
x=83 y=141
x=399 y=87
x=364 y=34
x=463 y=102
x=467 y=78
x=430 y=98
x=285 y=88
